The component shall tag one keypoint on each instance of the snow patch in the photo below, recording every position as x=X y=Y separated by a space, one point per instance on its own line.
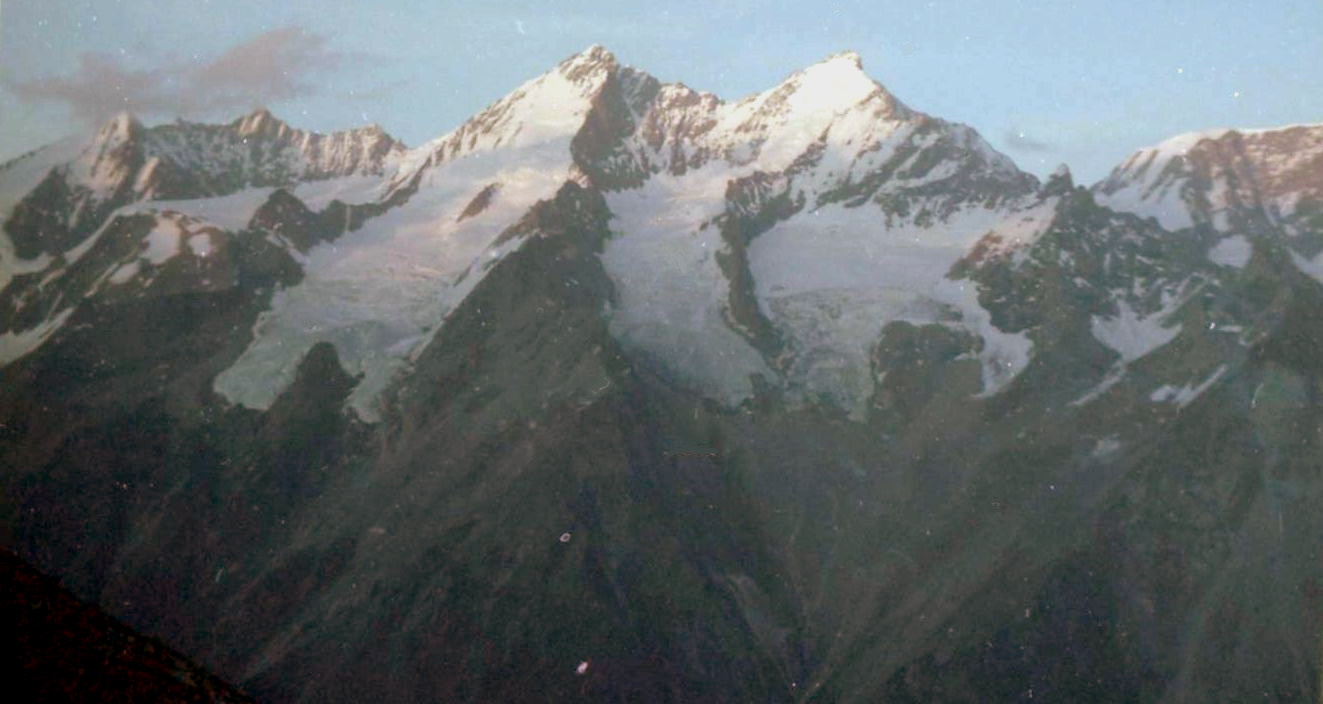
x=1183 y=395
x=351 y=190
x=19 y=176
x=162 y=243
x=201 y=245
x=1311 y=267
x=1233 y=251
x=1017 y=232
x=17 y=179
x=15 y=345
x=1004 y=354
x=1105 y=447
x=232 y=212
x=1132 y=335
x=11 y=265
x=1113 y=377
x=1162 y=201
x=125 y=272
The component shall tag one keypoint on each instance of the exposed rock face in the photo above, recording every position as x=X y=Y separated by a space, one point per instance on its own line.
x=623 y=392
x=126 y=162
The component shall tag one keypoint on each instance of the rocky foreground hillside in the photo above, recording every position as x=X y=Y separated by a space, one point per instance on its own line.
x=69 y=651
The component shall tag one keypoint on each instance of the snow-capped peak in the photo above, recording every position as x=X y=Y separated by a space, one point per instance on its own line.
x=848 y=56
x=1181 y=144
x=832 y=98
x=839 y=80
x=595 y=56
x=832 y=85
x=550 y=108
x=109 y=158
x=1220 y=177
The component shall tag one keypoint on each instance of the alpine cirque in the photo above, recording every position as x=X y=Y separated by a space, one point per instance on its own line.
x=624 y=392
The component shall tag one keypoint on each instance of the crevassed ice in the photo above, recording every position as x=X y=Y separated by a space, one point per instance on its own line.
x=670 y=290
x=381 y=292
x=831 y=279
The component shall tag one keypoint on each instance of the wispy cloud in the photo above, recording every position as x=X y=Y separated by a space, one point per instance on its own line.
x=274 y=66
x=1016 y=140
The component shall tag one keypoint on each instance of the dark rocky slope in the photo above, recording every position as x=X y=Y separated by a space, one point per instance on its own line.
x=69 y=651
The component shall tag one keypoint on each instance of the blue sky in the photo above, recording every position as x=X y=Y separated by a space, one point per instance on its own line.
x=1047 y=82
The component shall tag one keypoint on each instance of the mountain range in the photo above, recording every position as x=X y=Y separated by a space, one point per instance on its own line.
x=624 y=392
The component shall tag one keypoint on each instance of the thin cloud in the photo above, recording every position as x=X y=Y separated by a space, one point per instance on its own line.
x=100 y=86
x=272 y=67
x=1017 y=140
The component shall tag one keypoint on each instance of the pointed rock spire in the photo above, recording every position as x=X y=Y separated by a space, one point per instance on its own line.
x=259 y=121
x=849 y=57
x=121 y=128
x=1060 y=183
x=597 y=53
x=836 y=83
x=590 y=61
